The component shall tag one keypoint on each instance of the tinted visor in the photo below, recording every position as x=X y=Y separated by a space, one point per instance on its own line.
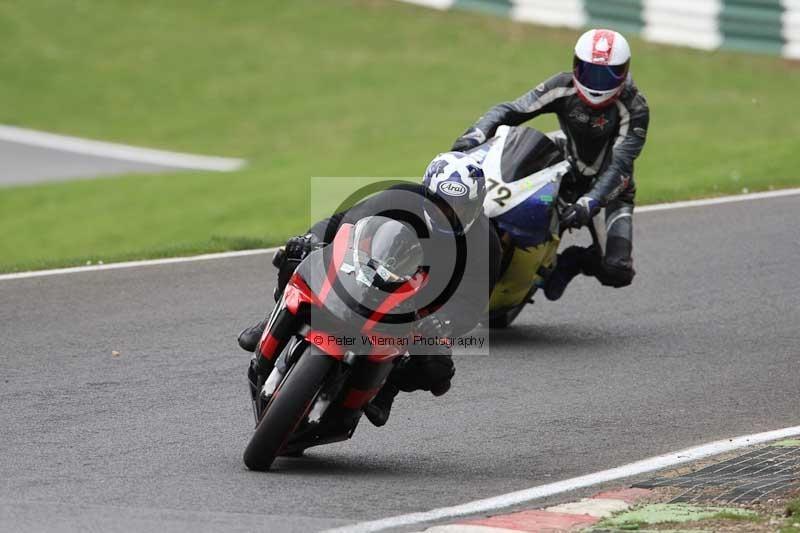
x=599 y=77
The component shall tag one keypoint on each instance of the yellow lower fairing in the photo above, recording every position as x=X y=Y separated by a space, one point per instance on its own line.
x=522 y=273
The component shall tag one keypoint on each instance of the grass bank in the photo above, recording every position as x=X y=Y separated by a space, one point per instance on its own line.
x=336 y=88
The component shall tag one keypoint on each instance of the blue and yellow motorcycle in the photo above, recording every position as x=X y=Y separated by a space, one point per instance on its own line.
x=524 y=170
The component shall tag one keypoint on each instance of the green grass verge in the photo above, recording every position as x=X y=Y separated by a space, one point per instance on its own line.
x=335 y=88
x=792 y=522
x=787 y=443
x=674 y=513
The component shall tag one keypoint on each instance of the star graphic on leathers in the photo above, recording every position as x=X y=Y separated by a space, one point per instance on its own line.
x=600 y=122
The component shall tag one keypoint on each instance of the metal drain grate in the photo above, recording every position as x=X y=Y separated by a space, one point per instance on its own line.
x=762 y=473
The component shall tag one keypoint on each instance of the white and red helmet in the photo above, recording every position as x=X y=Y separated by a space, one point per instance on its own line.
x=600 y=67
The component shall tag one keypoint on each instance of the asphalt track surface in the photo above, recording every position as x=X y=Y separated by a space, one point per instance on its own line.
x=25 y=164
x=703 y=346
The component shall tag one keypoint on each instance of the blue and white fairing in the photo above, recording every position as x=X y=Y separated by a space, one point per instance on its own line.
x=522 y=207
x=529 y=222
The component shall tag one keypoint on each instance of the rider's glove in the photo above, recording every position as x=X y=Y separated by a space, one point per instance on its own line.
x=295 y=249
x=292 y=254
x=470 y=139
x=580 y=213
x=299 y=247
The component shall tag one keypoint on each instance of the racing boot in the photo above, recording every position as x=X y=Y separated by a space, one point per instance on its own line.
x=617 y=265
x=249 y=337
x=380 y=407
x=571 y=262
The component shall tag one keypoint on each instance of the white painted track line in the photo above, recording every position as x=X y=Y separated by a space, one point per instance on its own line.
x=134 y=264
x=123 y=152
x=522 y=496
x=225 y=255
x=719 y=200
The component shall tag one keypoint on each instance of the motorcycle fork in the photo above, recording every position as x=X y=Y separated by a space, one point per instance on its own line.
x=255 y=382
x=329 y=395
x=263 y=386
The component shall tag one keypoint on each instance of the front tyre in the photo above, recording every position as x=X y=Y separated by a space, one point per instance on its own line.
x=288 y=406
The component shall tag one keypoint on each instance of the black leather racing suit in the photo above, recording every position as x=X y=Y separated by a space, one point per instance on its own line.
x=464 y=297
x=601 y=145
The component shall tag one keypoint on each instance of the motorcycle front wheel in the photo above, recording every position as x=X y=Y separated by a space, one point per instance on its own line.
x=288 y=407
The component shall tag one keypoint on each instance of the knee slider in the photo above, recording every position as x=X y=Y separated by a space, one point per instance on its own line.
x=423 y=372
x=617 y=273
x=441 y=371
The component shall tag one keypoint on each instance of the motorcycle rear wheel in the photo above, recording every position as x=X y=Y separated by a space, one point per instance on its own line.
x=503 y=319
x=287 y=408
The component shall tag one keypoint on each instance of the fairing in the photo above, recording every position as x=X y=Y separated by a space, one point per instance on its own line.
x=524 y=169
x=346 y=304
x=530 y=223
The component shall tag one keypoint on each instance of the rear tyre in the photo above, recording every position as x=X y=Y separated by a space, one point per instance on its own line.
x=287 y=408
x=503 y=319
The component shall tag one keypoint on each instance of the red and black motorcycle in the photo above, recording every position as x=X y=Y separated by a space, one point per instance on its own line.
x=345 y=319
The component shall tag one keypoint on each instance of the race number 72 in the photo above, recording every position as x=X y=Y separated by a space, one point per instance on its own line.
x=502 y=193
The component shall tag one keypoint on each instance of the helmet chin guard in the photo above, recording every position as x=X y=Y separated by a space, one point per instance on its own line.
x=597 y=99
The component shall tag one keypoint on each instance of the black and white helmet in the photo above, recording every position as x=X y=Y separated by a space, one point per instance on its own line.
x=456 y=186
